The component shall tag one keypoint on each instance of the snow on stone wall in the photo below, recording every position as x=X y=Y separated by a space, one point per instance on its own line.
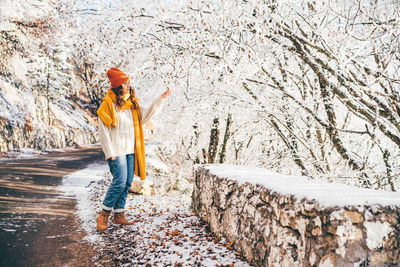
x=275 y=220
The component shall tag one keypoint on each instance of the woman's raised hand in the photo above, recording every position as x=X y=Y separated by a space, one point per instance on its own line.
x=166 y=93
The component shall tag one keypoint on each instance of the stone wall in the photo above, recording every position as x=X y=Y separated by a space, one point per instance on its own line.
x=274 y=229
x=16 y=137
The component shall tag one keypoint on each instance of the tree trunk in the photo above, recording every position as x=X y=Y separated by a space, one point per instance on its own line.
x=214 y=140
x=222 y=153
x=48 y=93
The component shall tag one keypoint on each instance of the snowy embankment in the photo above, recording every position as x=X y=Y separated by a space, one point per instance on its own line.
x=43 y=100
x=277 y=220
x=165 y=233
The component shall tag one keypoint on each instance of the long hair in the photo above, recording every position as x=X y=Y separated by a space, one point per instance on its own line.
x=134 y=99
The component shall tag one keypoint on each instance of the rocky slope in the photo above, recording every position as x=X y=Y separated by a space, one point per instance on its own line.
x=42 y=100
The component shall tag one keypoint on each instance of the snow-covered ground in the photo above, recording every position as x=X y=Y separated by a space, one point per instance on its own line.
x=32 y=153
x=166 y=232
x=23 y=153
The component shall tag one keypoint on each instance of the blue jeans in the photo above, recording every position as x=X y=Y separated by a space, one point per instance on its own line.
x=122 y=170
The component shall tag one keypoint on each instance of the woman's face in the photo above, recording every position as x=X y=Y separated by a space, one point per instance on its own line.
x=125 y=87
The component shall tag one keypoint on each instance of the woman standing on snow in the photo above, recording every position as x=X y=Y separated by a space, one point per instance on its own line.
x=122 y=141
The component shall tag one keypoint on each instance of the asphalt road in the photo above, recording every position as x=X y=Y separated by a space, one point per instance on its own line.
x=37 y=222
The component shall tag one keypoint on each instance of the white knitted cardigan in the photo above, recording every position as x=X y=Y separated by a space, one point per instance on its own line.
x=119 y=140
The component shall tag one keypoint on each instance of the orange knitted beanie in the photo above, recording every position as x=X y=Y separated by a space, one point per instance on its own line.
x=116 y=77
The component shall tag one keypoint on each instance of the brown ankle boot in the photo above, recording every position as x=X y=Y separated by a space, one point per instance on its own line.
x=119 y=218
x=102 y=220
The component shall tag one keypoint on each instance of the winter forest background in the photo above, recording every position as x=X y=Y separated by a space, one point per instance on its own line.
x=297 y=87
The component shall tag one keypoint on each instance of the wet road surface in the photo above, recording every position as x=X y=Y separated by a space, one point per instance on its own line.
x=37 y=222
